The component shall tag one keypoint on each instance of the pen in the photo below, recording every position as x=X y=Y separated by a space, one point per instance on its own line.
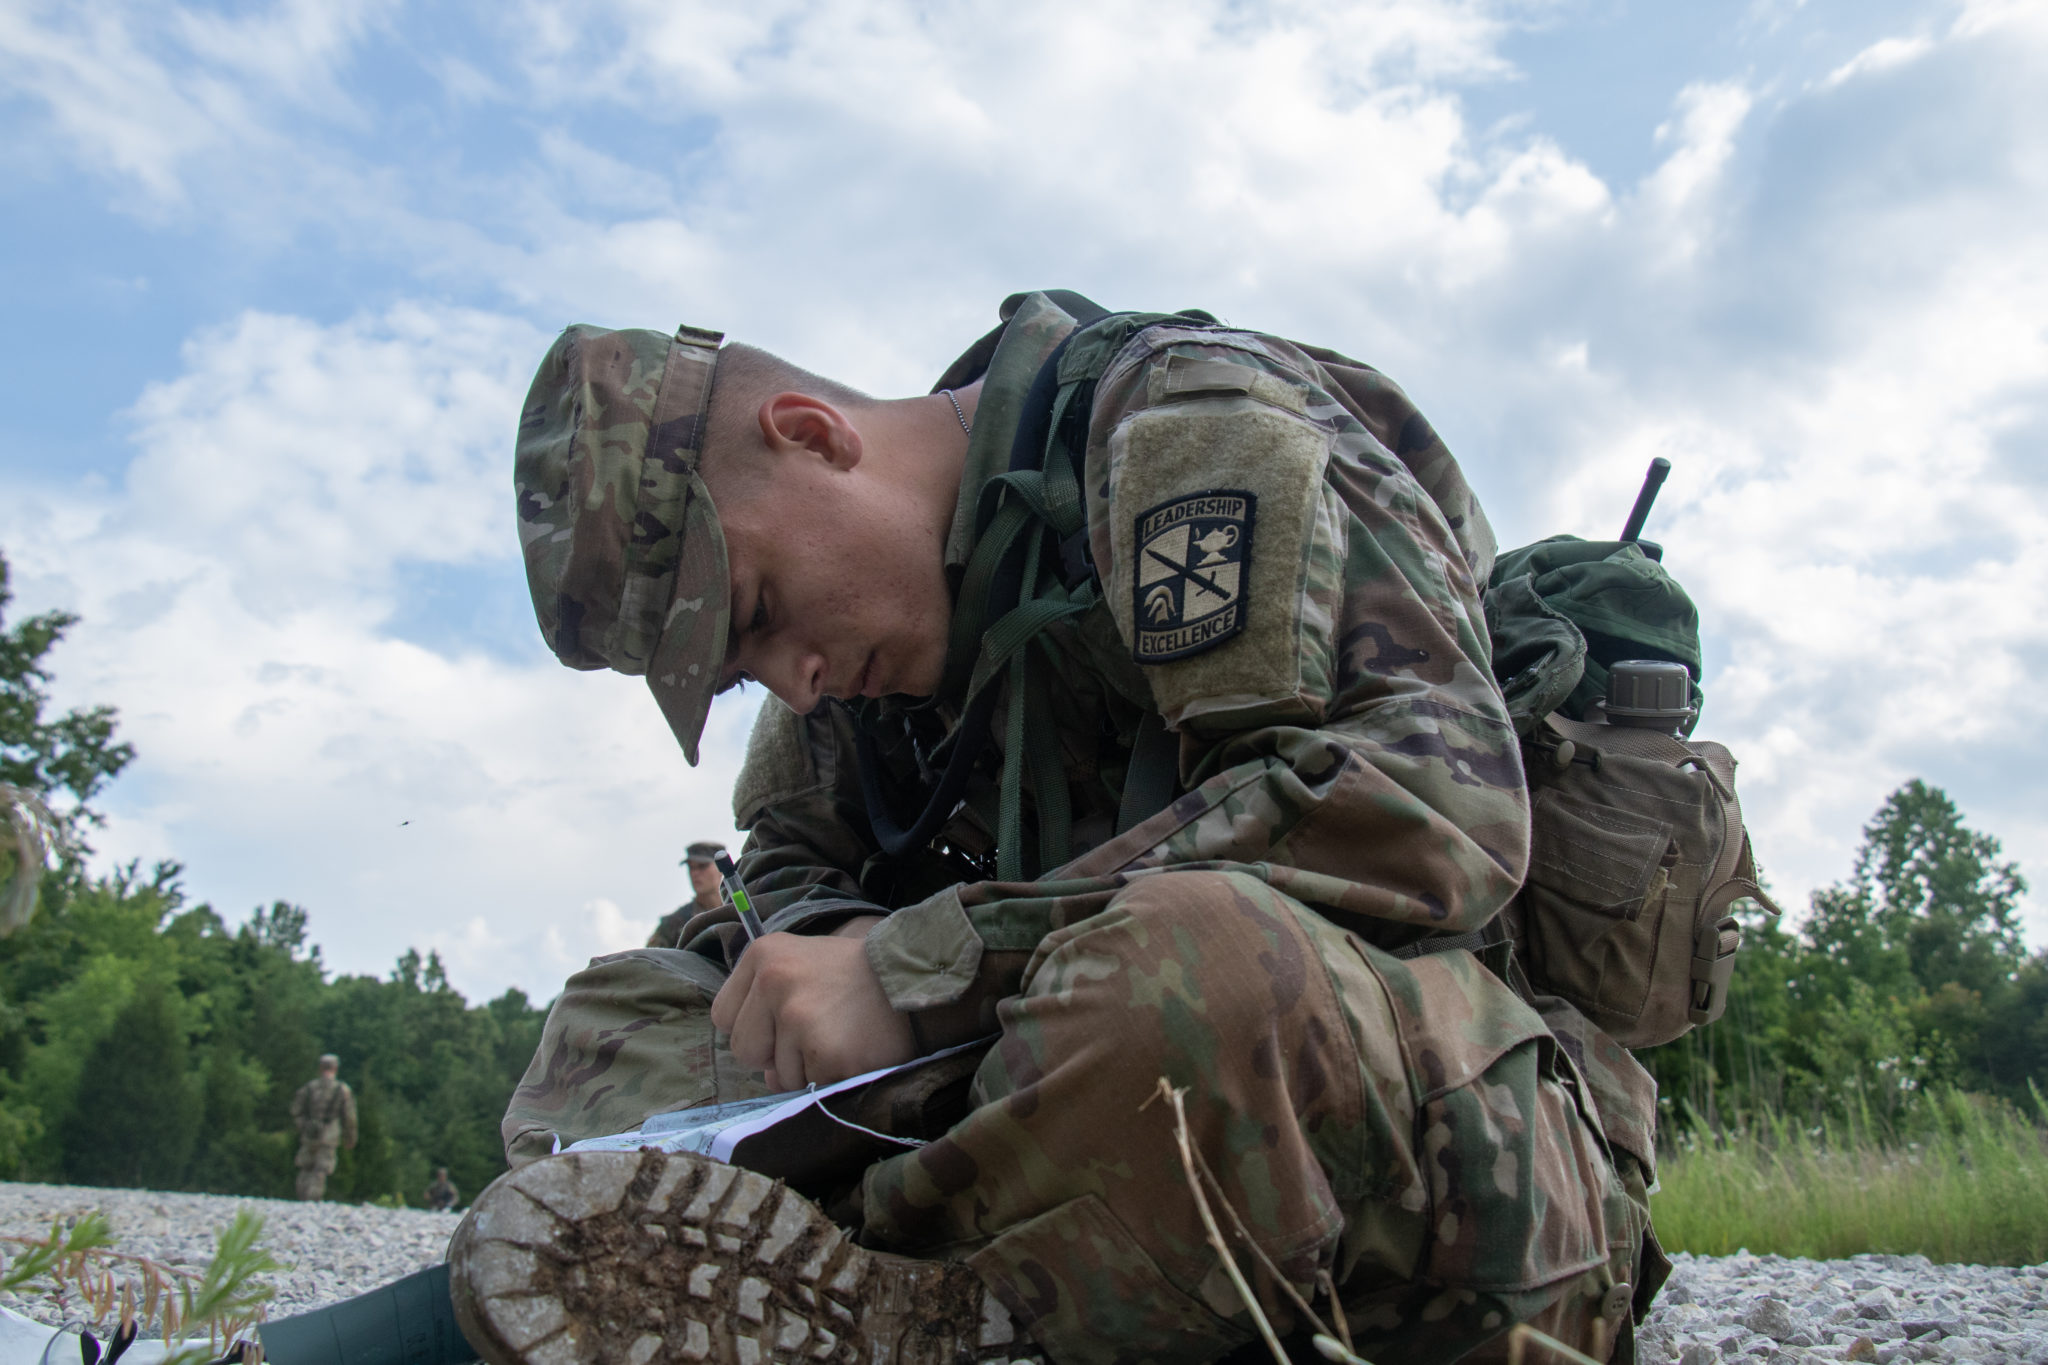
x=749 y=921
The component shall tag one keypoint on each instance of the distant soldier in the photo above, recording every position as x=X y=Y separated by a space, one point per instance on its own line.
x=442 y=1195
x=708 y=894
x=325 y=1112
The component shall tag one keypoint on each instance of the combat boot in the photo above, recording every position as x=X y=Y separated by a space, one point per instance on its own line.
x=647 y=1258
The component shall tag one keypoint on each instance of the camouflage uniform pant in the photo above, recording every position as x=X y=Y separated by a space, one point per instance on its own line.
x=1408 y=1127
x=629 y=1036
x=315 y=1162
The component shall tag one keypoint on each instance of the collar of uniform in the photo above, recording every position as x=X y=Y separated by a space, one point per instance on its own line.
x=1027 y=337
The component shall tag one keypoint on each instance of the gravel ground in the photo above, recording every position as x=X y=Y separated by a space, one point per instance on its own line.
x=1782 y=1311
x=334 y=1250
x=1742 y=1309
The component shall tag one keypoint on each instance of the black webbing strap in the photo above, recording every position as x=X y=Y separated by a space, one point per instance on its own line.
x=999 y=561
x=1027 y=572
x=1154 y=775
x=1442 y=943
x=407 y=1322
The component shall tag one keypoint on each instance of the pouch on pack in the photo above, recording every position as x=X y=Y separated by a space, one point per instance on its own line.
x=1638 y=852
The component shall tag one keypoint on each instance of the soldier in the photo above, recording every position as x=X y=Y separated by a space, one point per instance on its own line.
x=705 y=894
x=441 y=1193
x=324 y=1110
x=1232 y=770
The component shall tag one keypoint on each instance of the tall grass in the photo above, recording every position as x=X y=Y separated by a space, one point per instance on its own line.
x=1967 y=1181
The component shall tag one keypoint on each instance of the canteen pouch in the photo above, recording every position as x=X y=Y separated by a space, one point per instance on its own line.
x=1637 y=857
x=1637 y=850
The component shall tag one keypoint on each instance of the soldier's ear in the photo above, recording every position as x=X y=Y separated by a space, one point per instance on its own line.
x=798 y=423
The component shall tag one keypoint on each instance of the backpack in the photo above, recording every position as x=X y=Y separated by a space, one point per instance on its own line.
x=1637 y=852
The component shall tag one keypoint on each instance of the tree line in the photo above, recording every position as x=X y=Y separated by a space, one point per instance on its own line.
x=144 y=1042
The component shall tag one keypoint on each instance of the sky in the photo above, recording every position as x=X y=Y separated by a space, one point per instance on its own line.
x=277 y=275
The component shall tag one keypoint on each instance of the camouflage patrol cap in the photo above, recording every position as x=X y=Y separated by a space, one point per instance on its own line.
x=613 y=514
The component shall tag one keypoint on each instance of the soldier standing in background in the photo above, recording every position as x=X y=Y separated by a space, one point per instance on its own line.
x=442 y=1194
x=706 y=893
x=325 y=1112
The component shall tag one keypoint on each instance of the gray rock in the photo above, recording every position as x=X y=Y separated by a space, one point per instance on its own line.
x=1772 y=1317
x=1655 y=1350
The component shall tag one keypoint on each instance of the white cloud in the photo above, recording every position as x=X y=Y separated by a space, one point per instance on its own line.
x=317 y=460
x=141 y=90
x=1882 y=55
x=1853 y=384
x=237 y=593
x=1678 y=196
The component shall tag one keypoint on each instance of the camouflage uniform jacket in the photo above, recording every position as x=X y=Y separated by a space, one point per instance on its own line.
x=1348 y=745
x=325 y=1111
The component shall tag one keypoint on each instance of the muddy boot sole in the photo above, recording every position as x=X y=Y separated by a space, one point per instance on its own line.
x=647 y=1258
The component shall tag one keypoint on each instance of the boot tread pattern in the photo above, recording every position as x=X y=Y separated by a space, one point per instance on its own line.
x=643 y=1258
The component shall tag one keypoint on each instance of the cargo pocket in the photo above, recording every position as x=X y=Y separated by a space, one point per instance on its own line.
x=1594 y=901
x=1516 y=1177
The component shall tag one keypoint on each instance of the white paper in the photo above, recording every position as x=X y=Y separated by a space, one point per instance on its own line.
x=715 y=1130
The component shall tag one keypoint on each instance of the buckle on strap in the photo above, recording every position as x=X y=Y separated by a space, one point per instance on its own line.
x=1713 y=967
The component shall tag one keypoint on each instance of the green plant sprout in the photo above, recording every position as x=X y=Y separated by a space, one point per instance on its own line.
x=227 y=1298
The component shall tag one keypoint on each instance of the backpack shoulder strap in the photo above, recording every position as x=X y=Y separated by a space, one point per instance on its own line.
x=1030 y=568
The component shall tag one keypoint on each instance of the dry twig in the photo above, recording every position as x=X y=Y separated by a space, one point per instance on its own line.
x=1522 y=1335
x=1336 y=1308
x=1187 y=1162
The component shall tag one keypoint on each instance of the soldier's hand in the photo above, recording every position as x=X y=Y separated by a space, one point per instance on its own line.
x=808 y=1010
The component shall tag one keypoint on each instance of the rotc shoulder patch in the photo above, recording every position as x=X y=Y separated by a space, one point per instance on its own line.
x=1194 y=554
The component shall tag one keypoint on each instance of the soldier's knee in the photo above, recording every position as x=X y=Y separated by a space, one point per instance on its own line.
x=643 y=972
x=641 y=983
x=1220 y=947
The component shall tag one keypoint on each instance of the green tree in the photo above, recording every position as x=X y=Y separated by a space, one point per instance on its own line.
x=136 y=1113
x=50 y=766
x=71 y=755
x=1907 y=974
x=2012 y=1044
x=1941 y=893
x=144 y=1041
